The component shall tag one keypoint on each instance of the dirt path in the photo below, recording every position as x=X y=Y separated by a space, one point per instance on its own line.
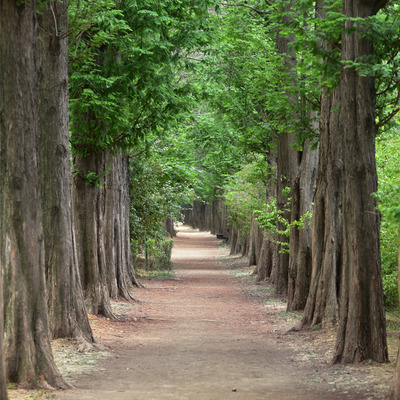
x=201 y=336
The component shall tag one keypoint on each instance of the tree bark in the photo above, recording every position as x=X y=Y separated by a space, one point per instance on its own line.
x=300 y=256
x=67 y=312
x=322 y=306
x=27 y=349
x=287 y=164
x=256 y=239
x=281 y=266
x=120 y=270
x=89 y=203
x=169 y=227
x=362 y=330
x=266 y=259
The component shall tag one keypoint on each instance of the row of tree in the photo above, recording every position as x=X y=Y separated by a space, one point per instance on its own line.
x=303 y=89
x=95 y=83
x=266 y=103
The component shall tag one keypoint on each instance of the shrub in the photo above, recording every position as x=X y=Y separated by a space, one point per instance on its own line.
x=159 y=254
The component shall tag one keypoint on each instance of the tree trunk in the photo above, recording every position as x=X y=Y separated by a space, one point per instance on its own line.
x=256 y=239
x=169 y=227
x=198 y=215
x=362 y=331
x=67 y=312
x=233 y=238
x=27 y=349
x=253 y=254
x=282 y=252
x=300 y=256
x=322 y=306
x=287 y=163
x=89 y=203
x=116 y=227
x=266 y=259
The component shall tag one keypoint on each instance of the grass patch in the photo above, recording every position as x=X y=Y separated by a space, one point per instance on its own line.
x=242 y=274
x=142 y=273
x=22 y=394
x=393 y=332
x=393 y=320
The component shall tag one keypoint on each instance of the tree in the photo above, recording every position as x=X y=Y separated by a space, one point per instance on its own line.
x=346 y=280
x=27 y=349
x=362 y=331
x=67 y=312
x=340 y=56
x=322 y=306
x=124 y=86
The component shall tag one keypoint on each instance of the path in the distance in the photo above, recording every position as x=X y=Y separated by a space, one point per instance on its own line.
x=198 y=337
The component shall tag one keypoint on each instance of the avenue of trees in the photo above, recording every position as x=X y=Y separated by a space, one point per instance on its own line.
x=268 y=122
x=306 y=95
x=84 y=87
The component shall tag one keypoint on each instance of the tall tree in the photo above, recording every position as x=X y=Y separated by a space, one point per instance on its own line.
x=322 y=305
x=27 y=349
x=362 y=331
x=346 y=277
x=67 y=312
x=124 y=86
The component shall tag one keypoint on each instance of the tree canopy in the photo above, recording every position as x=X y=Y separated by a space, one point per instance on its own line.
x=266 y=117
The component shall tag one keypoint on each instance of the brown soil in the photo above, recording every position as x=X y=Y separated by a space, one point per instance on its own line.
x=211 y=332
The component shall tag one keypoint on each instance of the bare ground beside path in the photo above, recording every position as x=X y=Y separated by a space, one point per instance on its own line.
x=205 y=335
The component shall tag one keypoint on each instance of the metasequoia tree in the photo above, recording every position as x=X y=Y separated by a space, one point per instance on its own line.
x=124 y=87
x=322 y=305
x=100 y=118
x=362 y=331
x=67 y=312
x=27 y=348
x=286 y=167
x=346 y=278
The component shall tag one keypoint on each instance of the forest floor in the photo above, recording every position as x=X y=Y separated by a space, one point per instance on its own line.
x=209 y=331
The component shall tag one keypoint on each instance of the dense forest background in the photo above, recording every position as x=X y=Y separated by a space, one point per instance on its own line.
x=273 y=124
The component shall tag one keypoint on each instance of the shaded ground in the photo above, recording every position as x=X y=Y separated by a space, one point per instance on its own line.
x=211 y=333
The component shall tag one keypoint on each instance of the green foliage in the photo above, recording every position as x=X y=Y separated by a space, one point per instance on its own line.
x=161 y=180
x=159 y=253
x=128 y=88
x=126 y=62
x=389 y=205
x=243 y=193
x=213 y=150
x=92 y=178
x=269 y=217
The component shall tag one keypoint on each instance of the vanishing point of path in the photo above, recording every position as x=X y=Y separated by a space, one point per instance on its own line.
x=199 y=337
